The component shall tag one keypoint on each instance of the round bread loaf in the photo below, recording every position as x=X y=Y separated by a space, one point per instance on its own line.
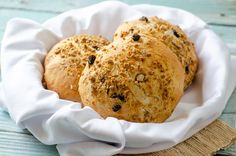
x=138 y=80
x=65 y=62
x=171 y=35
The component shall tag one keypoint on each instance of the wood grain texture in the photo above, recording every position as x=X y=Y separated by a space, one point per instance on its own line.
x=227 y=34
x=8 y=14
x=213 y=11
x=231 y=105
x=219 y=14
x=17 y=144
x=7 y=124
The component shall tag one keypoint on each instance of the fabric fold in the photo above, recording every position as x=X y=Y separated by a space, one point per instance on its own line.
x=82 y=131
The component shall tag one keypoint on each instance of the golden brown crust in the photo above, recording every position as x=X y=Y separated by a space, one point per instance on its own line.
x=65 y=62
x=138 y=79
x=171 y=35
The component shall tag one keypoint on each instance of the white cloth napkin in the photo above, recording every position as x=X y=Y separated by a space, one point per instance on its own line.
x=81 y=131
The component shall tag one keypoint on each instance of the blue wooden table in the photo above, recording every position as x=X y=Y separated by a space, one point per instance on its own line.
x=219 y=14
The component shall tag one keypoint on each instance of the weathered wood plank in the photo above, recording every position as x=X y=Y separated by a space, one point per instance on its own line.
x=229 y=118
x=7 y=14
x=1 y=35
x=214 y=11
x=225 y=32
x=17 y=144
x=231 y=105
x=7 y=124
x=20 y=10
x=211 y=11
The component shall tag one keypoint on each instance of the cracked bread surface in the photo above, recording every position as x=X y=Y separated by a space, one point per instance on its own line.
x=138 y=80
x=65 y=62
